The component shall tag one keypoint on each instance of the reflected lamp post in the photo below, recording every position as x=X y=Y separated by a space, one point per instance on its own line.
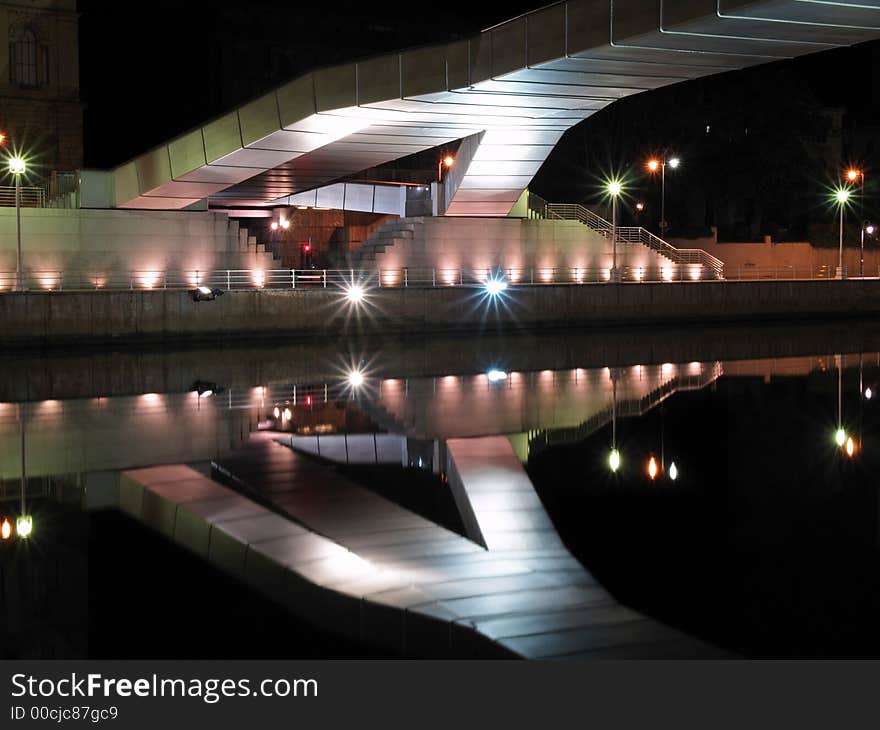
x=17 y=167
x=614 y=455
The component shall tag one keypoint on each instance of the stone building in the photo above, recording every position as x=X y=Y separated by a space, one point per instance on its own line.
x=41 y=114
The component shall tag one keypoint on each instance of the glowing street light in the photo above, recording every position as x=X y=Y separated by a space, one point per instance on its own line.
x=615 y=188
x=446 y=161
x=850 y=447
x=868 y=228
x=355 y=293
x=840 y=437
x=17 y=168
x=841 y=196
x=355 y=378
x=6 y=529
x=614 y=460
x=496 y=376
x=652 y=467
x=495 y=286
x=24 y=526
x=673 y=471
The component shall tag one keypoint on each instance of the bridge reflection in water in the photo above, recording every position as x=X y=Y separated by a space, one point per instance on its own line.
x=340 y=554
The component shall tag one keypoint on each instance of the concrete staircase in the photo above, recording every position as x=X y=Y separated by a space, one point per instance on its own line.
x=254 y=255
x=542 y=251
x=392 y=233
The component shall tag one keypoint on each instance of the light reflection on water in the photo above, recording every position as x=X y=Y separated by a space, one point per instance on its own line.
x=549 y=414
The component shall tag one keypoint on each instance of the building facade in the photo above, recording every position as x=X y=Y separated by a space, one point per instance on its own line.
x=41 y=113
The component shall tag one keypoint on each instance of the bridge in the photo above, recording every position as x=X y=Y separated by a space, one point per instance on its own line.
x=505 y=96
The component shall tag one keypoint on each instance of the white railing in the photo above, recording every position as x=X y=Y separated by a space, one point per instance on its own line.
x=713 y=267
x=249 y=279
x=31 y=197
x=692 y=270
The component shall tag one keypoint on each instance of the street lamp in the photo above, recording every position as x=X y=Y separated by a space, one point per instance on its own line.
x=17 y=167
x=614 y=190
x=446 y=161
x=653 y=165
x=868 y=228
x=841 y=195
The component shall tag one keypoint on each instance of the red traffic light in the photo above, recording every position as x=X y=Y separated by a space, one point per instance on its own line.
x=307 y=248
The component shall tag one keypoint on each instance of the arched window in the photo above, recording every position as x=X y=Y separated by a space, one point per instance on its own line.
x=23 y=61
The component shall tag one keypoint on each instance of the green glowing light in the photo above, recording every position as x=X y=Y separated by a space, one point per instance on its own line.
x=841 y=195
x=24 y=526
x=614 y=460
x=614 y=188
x=17 y=165
x=840 y=437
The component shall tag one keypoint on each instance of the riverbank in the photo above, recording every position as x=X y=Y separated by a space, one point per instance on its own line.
x=74 y=318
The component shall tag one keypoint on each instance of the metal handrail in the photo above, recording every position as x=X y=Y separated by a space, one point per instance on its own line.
x=30 y=197
x=690 y=270
x=636 y=234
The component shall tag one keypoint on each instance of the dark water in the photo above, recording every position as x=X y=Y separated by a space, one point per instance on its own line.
x=766 y=544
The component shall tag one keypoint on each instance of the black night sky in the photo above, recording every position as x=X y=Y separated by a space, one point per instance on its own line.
x=759 y=145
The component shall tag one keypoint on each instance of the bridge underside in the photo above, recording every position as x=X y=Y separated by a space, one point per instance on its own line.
x=513 y=90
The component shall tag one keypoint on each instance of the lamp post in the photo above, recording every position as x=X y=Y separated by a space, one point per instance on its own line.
x=869 y=229
x=614 y=190
x=654 y=165
x=17 y=167
x=841 y=195
x=853 y=174
x=446 y=161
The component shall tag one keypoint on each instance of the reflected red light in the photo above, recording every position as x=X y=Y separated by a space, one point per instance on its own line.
x=307 y=247
x=308 y=400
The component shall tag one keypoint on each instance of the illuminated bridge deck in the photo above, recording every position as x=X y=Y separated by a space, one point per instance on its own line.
x=354 y=562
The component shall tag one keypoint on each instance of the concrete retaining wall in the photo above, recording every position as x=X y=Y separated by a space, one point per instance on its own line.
x=73 y=317
x=551 y=250
x=99 y=242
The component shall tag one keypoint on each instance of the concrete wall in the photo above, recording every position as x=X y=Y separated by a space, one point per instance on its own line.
x=768 y=259
x=73 y=317
x=553 y=248
x=95 y=434
x=101 y=241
